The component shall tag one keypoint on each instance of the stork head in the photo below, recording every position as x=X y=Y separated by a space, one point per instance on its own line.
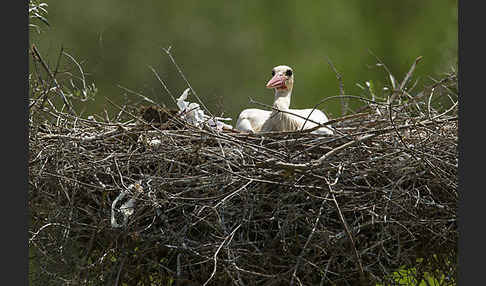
x=282 y=78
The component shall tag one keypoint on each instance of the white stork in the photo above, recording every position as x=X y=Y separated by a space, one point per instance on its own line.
x=282 y=118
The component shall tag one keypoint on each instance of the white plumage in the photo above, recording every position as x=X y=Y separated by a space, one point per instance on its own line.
x=252 y=119
x=282 y=118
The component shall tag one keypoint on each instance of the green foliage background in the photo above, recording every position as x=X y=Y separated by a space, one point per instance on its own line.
x=227 y=48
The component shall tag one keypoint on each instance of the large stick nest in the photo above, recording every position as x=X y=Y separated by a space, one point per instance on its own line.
x=226 y=208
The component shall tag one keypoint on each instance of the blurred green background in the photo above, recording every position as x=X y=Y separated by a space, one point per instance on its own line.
x=227 y=49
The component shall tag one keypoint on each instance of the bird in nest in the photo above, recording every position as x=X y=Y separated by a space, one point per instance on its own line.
x=282 y=117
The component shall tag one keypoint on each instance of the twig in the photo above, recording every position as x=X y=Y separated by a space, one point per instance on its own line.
x=163 y=84
x=53 y=78
x=365 y=137
x=409 y=74
x=119 y=271
x=344 y=103
x=215 y=256
x=299 y=258
x=139 y=94
x=167 y=51
x=351 y=238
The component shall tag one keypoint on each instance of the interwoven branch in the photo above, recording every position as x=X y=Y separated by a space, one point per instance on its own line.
x=228 y=208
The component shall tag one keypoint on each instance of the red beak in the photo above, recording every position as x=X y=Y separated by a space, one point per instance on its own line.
x=277 y=81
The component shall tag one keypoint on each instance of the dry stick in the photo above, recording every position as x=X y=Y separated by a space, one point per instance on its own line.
x=344 y=146
x=444 y=80
x=223 y=154
x=375 y=133
x=176 y=119
x=390 y=112
x=44 y=226
x=352 y=96
x=254 y=273
x=163 y=84
x=53 y=78
x=400 y=90
x=409 y=74
x=256 y=148
x=327 y=269
x=91 y=122
x=119 y=271
x=437 y=83
x=215 y=256
x=350 y=236
x=46 y=89
x=431 y=166
x=167 y=51
x=58 y=63
x=139 y=117
x=319 y=161
x=83 y=79
x=347 y=117
x=138 y=94
x=233 y=193
x=429 y=103
x=344 y=103
x=407 y=77
x=445 y=112
x=380 y=62
x=81 y=138
x=294 y=276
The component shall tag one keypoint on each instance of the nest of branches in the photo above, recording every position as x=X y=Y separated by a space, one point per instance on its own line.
x=151 y=199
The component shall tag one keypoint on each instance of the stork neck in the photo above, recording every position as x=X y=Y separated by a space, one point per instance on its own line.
x=282 y=99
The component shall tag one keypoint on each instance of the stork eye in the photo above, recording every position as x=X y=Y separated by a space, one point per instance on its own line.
x=288 y=73
x=273 y=72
